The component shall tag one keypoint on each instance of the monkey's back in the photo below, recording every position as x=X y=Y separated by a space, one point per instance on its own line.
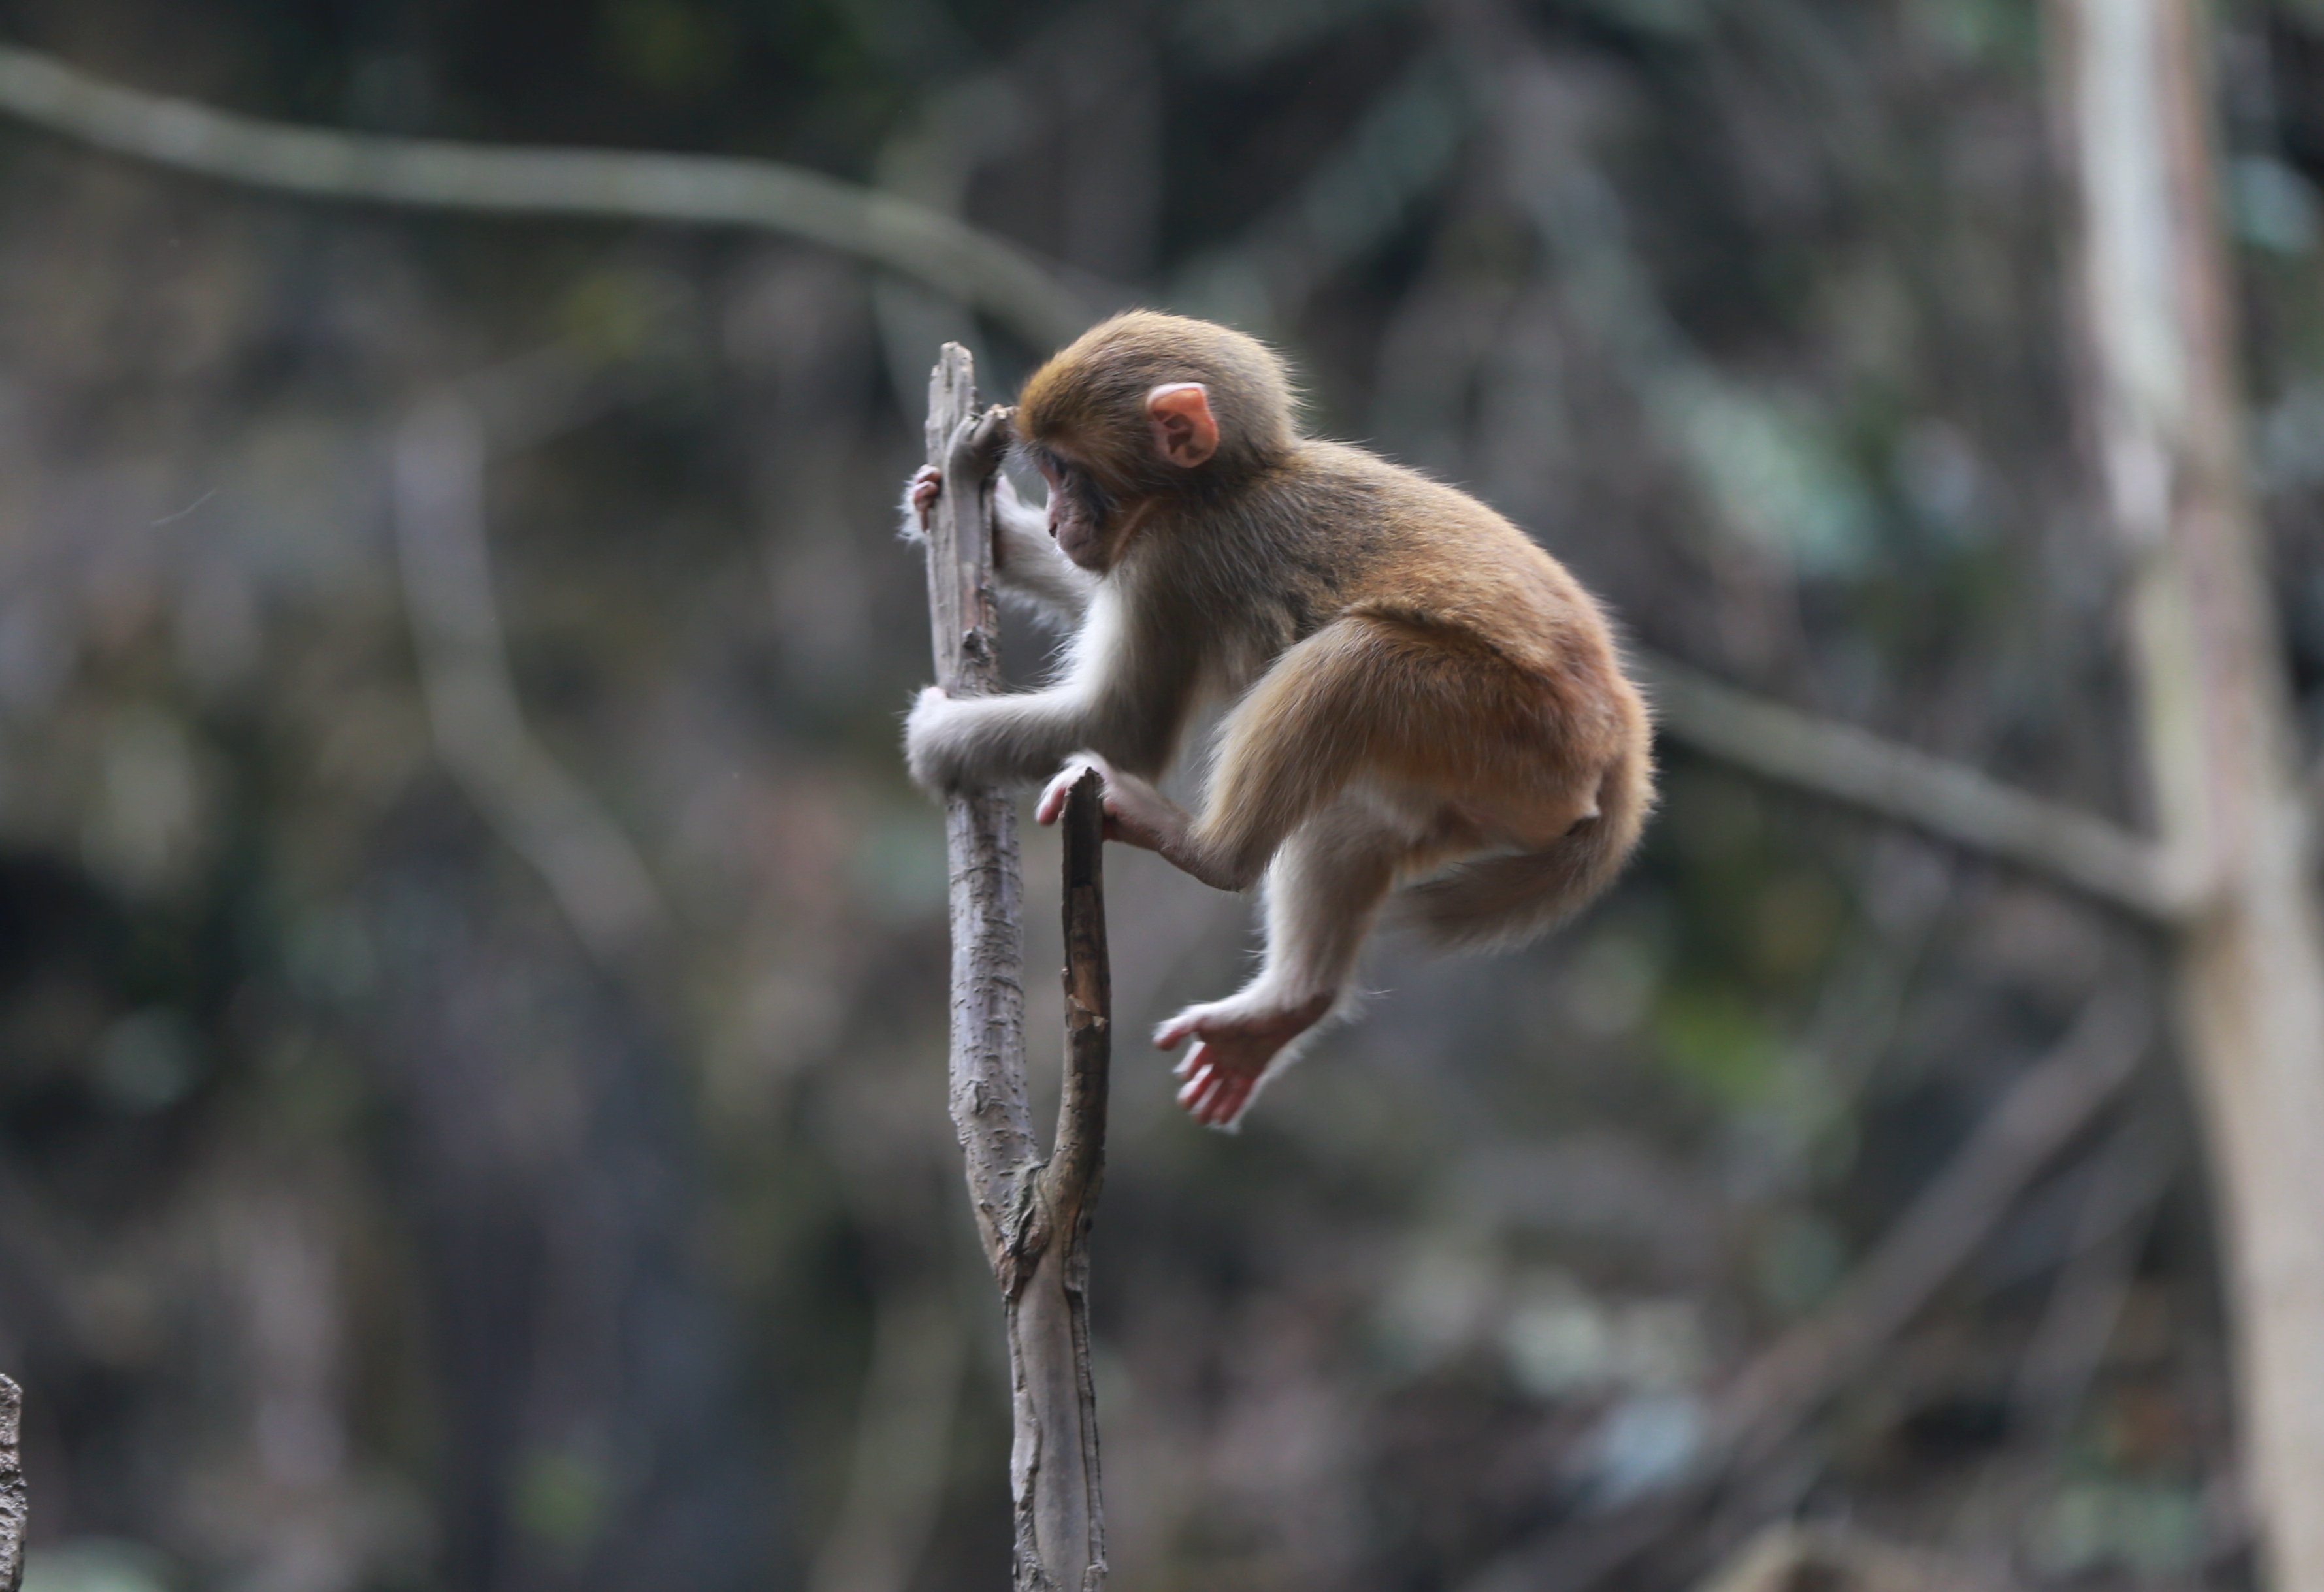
x=1341 y=533
x=1387 y=540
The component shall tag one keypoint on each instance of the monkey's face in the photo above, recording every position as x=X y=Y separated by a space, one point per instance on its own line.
x=1082 y=513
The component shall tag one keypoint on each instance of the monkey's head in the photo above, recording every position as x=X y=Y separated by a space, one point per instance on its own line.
x=1146 y=407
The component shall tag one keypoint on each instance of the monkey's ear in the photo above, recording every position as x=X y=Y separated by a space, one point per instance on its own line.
x=1184 y=432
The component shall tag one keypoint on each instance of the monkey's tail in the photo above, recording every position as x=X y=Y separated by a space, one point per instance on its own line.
x=1505 y=901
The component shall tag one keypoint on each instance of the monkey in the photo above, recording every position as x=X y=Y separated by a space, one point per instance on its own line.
x=1427 y=712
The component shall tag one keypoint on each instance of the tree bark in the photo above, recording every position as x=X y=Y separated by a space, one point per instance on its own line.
x=2163 y=404
x=15 y=1506
x=1033 y=1215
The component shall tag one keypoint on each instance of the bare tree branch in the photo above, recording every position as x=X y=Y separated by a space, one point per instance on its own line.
x=2070 y=1341
x=903 y=1432
x=1950 y=801
x=1793 y=1554
x=989 y=1110
x=1940 y=797
x=1069 y=1183
x=2044 y=1108
x=1034 y=1218
x=912 y=240
x=1785 y=1385
x=16 y=1508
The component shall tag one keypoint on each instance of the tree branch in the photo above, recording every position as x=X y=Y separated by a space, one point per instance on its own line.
x=1786 y=1384
x=1070 y=1182
x=1946 y=799
x=903 y=1431
x=2043 y=1110
x=912 y=240
x=15 y=1506
x=988 y=954
x=1034 y=1218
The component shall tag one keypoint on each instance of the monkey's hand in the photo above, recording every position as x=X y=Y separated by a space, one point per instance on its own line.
x=1015 y=521
x=935 y=749
x=921 y=494
x=1136 y=814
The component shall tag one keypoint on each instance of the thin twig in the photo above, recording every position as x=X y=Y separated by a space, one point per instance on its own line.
x=1076 y=1168
x=903 y=1431
x=545 y=814
x=912 y=240
x=1940 y=797
x=2110 y=1228
x=1952 y=1215
x=1780 y=1389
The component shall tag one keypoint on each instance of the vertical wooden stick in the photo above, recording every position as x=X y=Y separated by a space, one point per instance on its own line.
x=15 y=1506
x=1069 y=1185
x=1032 y=1215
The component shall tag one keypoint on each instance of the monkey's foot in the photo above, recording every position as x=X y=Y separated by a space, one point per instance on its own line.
x=1232 y=1051
x=1136 y=814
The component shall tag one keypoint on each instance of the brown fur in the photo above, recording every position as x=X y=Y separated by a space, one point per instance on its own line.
x=1417 y=685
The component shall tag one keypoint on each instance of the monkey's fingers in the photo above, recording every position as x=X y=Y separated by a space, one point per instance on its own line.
x=927 y=485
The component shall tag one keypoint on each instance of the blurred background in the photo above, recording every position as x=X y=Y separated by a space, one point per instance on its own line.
x=473 y=972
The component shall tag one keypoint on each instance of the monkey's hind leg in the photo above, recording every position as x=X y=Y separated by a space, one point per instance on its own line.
x=1323 y=891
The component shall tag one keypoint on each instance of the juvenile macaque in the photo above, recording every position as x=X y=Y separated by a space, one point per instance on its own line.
x=1424 y=702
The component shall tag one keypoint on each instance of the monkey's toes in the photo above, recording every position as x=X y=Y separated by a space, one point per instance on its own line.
x=1052 y=804
x=1212 y=1094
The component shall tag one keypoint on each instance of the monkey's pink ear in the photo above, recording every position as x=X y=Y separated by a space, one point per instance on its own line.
x=1184 y=432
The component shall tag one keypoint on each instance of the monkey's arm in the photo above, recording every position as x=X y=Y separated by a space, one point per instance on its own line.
x=1124 y=698
x=1025 y=558
x=1287 y=748
x=1030 y=568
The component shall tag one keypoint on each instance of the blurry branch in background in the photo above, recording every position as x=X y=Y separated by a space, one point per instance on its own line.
x=15 y=1506
x=1947 y=799
x=2047 y=1106
x=539 y=810
x=903 y=1445
x=1839 y=1558
x=957 y=259
x=2114 y=1215
x=929 y=160
x=1782 y=1387
x=1762 y=477
x=1397 y=154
